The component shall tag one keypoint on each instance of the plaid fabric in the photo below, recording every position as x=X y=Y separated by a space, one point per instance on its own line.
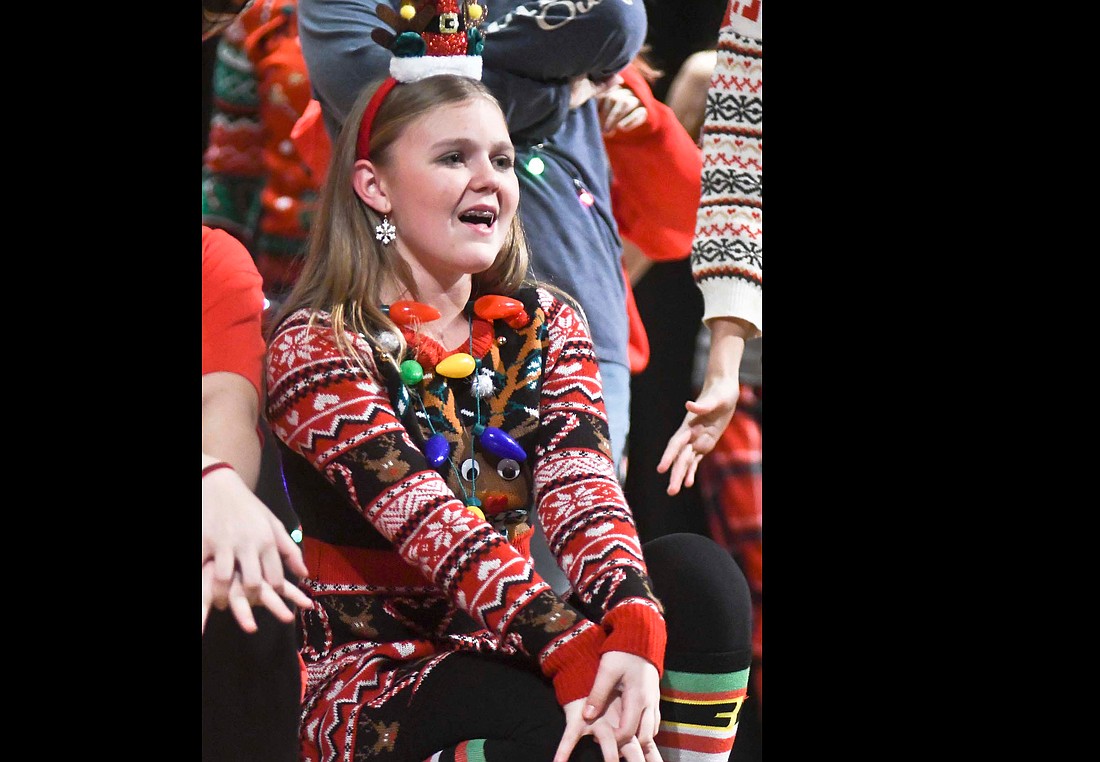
x=730 y=486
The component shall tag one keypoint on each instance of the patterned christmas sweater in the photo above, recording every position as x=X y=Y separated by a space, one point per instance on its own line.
x=401 y=571
x=728 y=251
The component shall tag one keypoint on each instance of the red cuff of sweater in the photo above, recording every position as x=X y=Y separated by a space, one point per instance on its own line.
x=572 y=667
x=636 y=629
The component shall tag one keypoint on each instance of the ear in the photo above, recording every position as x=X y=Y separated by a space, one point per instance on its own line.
x=369 y=187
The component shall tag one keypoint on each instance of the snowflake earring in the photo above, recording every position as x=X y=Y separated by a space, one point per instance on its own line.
x=385 y=232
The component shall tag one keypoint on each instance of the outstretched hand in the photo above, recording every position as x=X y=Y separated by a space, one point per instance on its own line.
x=622 y=711
x=244 y=546
x=706 y=419
x=708 y=415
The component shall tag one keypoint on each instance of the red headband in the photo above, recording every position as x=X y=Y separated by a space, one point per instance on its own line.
x=362 y=143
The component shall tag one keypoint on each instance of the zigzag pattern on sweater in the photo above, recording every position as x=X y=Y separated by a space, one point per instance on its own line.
x=748 y=277
x=713 y=231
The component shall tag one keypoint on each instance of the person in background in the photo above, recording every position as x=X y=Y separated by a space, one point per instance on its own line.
x=430 y=399
x=644 y=141
x=720 y=437
x=251 y=674
x=254 y=184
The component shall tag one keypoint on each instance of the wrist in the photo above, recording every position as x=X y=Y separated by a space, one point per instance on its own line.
x=214 y=467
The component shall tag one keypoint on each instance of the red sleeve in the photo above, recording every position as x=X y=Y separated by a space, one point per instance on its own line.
x=232 y=309
x=660 y=147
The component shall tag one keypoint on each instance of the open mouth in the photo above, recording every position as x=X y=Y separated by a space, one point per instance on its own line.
x=478 y=217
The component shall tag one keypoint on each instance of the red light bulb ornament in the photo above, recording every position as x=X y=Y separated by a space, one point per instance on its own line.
x=409 y=313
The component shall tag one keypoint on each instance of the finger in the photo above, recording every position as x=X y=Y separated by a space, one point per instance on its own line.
x=617 y=111
x=633 y=119
x=689 y=480
x=630 y=718
x=647 y=728
x=251 y=575
x=702 y=406
x=224 y=565
x=600 y=694
x=572 y=734
x=294 y=594
x=608 y=745
x=679 y=470
x=675 y=444
x=242 y=609
x=219 y=592
x=207 y=592
x=292 y=554
x=631 y=751
x=273 y=603
x=271 y=563
x=652 y=753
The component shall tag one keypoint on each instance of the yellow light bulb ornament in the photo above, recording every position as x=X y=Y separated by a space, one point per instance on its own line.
x=474 y=11
x=407 y=12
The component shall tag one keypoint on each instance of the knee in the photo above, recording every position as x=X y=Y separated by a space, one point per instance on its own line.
x=707 y=603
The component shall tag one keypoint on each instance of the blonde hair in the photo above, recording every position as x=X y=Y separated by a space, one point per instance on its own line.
x=345 y=266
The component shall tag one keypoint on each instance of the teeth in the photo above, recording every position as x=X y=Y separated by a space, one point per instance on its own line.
x=487 y=218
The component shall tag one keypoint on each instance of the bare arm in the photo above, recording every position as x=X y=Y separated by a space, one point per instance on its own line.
x=230 y=411
x=244 y=544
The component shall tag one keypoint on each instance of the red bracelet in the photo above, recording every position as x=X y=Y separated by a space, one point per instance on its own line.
x=215 y=467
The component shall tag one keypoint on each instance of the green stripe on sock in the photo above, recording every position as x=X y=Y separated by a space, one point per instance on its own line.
x=475 y=750
x=694 y=682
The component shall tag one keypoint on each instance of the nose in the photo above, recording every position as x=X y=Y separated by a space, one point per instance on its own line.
x=484 y=175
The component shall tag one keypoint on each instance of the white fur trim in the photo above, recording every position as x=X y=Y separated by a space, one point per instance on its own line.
x=419 y=67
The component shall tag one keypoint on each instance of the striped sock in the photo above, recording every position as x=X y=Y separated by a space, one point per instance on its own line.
x=466 y=751
x=699 y=714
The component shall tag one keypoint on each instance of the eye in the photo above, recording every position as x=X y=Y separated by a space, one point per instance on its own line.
x=451 y=158
x=508 y=469
x=470 y=469
x=503 y=163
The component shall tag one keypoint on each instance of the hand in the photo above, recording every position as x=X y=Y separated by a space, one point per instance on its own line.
x=233 y=596
x=583 y=89
x=620 y=109
x=245 y=545
x=706 y=419
x=710 y=414
x=622 y=710
x=603 y=730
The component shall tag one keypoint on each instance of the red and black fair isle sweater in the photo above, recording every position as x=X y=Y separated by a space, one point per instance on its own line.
x=401 y=572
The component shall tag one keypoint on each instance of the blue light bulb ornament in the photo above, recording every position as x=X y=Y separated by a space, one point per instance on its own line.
x=437 y=450
x=500 y=444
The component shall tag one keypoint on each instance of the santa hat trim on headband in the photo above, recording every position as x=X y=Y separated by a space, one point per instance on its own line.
x=433 y=37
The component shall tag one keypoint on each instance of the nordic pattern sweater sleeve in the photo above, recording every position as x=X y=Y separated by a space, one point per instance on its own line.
x=588 y=525
x=339 y=417
x=727 y=254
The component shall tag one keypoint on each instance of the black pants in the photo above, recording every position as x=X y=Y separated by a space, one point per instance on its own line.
x=251 y=690
x=473 y=696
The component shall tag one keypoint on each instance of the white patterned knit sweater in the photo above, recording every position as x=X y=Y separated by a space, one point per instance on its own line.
x=727 y=253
